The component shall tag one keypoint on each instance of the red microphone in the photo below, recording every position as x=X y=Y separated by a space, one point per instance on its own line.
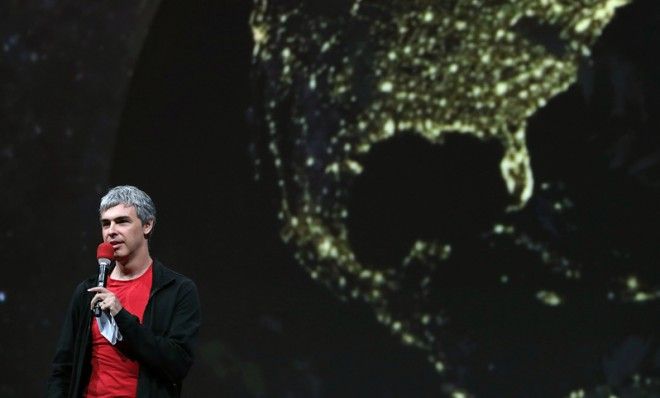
x=104 y=254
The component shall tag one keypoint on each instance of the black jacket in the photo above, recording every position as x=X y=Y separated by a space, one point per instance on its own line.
x=163 y=345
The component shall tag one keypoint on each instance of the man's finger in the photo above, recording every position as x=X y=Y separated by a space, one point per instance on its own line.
x=98 y=297
x=98 y=289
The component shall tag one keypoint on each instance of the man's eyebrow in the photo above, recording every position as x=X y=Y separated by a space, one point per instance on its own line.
x=119 y=218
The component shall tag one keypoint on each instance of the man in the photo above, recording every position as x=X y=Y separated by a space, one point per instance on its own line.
x=143 y=343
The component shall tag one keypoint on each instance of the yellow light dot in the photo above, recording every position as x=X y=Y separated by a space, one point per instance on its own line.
x=501 y=88
x=389 y=127
x=386 y=87
x=439 y=366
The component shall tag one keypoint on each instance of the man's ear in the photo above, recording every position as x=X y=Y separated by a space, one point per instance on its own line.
x=147 y=227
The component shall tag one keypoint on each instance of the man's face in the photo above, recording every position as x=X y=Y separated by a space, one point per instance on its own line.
x=122 y=228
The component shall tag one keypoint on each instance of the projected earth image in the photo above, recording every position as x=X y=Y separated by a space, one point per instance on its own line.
x=437 y=161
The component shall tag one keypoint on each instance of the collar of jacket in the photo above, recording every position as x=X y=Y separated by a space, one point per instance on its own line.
x=162 y=276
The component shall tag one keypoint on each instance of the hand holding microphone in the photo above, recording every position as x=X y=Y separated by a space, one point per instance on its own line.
x=105 y=254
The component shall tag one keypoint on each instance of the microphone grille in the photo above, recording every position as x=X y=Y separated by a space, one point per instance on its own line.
x=105 y=250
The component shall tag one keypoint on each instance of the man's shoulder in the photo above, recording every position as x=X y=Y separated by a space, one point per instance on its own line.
x=165 y=274
x=86 y=284
x=79 y=292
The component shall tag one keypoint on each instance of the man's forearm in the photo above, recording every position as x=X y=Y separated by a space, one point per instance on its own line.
x=170 y=355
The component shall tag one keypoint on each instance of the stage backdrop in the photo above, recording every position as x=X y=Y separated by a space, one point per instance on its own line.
x=380 y=199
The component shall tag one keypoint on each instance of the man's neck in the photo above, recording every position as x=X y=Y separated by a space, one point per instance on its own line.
x=131 y=268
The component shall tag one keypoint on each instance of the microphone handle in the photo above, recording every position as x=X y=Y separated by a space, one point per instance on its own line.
x=97 y=310
x=101 y=283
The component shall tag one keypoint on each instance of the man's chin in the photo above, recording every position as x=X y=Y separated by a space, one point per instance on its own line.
x=121 y=258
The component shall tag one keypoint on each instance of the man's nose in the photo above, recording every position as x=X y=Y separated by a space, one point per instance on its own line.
x=111 y=229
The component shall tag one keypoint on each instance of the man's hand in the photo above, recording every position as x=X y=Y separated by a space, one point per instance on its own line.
x=106 y=299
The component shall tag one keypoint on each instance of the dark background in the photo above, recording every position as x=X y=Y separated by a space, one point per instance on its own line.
x=155 y=95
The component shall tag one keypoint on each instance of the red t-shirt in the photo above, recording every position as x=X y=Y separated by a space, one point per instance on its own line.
x=114 y=374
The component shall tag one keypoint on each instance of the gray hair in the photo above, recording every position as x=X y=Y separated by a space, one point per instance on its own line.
x=130 y=196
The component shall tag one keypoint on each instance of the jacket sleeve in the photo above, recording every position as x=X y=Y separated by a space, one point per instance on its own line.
x=170 y=355
x=62 y=366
